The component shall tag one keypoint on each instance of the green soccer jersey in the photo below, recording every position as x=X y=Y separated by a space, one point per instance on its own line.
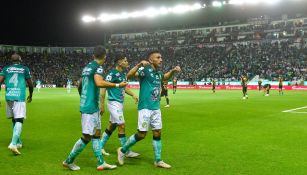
x=15 y=76
x=89 y=102
x=150 y=85
x=116 y=94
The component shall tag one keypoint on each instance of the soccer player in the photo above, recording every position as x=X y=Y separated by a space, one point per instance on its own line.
x=174 y=85
x=38 y=85
x=280 y=86
x=164 y=93
x=115 y=104
x=92 y=80
x=15 y=77
x=68 y=85
x=259 y=85
x=244 y=86
x=213 y=85
x=266 y=89
x=149 y=113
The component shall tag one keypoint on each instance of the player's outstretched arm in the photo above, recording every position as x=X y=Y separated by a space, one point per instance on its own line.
x=31 y=87
x=170 y=74
x=102 y=99
x=100 y=82
x=129 y=92
x=133 y=72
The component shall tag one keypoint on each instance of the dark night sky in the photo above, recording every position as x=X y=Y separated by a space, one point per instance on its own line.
x=58 y=22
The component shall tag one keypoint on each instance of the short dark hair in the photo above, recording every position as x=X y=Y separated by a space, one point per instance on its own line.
x=152 y=52
x=15 y=57
x=119 y=56
x=99 y=51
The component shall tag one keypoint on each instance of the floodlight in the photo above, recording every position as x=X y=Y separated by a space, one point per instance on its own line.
x=217 y=4
x=88 y=19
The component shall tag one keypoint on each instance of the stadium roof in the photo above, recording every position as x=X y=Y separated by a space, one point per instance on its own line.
x=58 y=22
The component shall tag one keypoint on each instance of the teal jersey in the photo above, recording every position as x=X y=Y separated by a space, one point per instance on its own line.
x=69 y=82
x=150 y=85
x=15 y=76
x=38 y=82
x=116 y=94
x=89 y=102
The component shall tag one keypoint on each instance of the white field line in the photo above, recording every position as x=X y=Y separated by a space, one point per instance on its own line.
x=291 y=110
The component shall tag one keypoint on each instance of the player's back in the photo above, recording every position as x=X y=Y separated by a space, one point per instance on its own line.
x=15 y=81
x=89 y=101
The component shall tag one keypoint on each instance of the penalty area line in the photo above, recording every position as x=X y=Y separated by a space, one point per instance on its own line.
x=291 y=110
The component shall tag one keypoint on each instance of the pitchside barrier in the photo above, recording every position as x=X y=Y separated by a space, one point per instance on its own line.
x=227 y=87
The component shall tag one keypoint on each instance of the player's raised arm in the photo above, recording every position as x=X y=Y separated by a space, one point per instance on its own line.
x=31 y=87
x=170 y=74
x=100 y=82
x=134 y=71
x=129 y=92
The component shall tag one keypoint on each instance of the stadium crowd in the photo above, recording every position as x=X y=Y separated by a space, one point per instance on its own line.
x=222 y=62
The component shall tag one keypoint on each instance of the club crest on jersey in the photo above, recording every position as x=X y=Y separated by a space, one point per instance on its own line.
x=144 y=125
x=99 y=70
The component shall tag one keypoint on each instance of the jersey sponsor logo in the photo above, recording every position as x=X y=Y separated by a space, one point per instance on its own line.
x=15 y=70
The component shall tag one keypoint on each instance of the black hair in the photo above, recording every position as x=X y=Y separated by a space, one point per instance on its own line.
x=152 y=52
x=99 y=51
x=119 y=56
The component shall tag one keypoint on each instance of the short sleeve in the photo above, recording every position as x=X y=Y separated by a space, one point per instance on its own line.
x=27 y=73
x=109 y=77
x=99 y=71
x=141 y=72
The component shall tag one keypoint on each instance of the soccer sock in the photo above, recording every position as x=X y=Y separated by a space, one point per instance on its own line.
x=76 y=150
x=19 y=139
x=97 y=150
x=16 y=132
x=157 y=146
x=167 y=101
x=130 y=142
x=105 y=137
x=122 y=139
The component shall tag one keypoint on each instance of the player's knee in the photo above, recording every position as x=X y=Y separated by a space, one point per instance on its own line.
x=156 y=134
x=140 y=135
x=86 y=138
x=112 y=127
x=121 y=128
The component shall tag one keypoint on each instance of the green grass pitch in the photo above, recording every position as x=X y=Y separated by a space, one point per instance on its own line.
x=202 y=134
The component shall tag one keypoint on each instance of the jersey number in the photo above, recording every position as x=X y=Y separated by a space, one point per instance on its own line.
x=14 y=79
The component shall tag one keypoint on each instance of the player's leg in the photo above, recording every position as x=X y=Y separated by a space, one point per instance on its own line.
x=116 y=117
x=156 y=125
x=143 y=125
x=87 y=131
x=123 y=139
x=19 y=113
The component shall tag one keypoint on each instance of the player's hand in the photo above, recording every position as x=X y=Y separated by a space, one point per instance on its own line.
x=177 y=69
x=123 y=84
x=29 y=99
x=101 y=110
x=136 y=99
x=144 y=63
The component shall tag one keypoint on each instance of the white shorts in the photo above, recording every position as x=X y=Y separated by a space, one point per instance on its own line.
x=150 y=118
x=116 y=112
x=90 y=123
x=15 y=109
x=38 y=86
